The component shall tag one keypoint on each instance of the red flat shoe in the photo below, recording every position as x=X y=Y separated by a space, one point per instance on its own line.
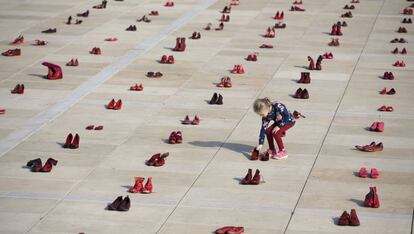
x=221 y=84
x=227 y=82
x=390 y=109
x=163 y=59
x=374 y=126
x=391 y=91
x=98 y=128
x=363 y=173
x=224 y=230
x=383 y=91
x=170 y=59
x=89 y=127
x=137 y=186
x=153 y=159
x=374 y=173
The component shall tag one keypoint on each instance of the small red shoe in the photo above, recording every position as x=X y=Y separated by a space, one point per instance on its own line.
x=382 y=108
x=374 y=173
x=75 y=142
x=224 y=230
x=98 y=128
x=391 y=91
x=344 y=219
x=170 y=59
x=18 y=89
x=173 y=138
x=363 y=173
x=2 y=111
x=374 y=126
x=395 y=51
x=227 y=82
x=111 y=39
x=40 y=43
x=186 y=120
x=236 y=230
x=18 y=41
x=383 y=91
x=179 y=137
x=195 y=121
x=248 y=178
x=48 y=165
x=390 y=109
x=222 y=81
x=111 y=104
x=148 y=186
x=380 y=127
x=68 y=141
x=137 y=186
x=161 y=160
x=12 y=53
x=89 y=127
x=354 y=221
x=153 y=159
x=266 y=46
x=255 y=154
x=154 y=13
x=163 y=59
x=403 y=51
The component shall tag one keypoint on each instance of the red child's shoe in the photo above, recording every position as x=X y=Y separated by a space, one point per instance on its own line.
x=111 y=104
x=170 y=59
x=137 y=186
x=12 y=53
x=390 y=109
x=118 y=105
x=380 y=127
x=163 y=59
x=374 y=173
x=161 y=160
x=172 y=139
x=148 y=186
x=363 y=173
x=195 y=121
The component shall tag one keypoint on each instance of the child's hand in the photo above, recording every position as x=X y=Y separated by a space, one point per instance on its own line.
x=259 y=147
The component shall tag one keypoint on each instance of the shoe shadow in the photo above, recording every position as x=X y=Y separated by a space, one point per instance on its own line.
x=236 y=147
x=38 y=75
x=356 y=173
x=238 y=179
x=304 y=67
x=368 y=129
x=360 y=203
x=128 y=187
x=328 y=33
x=335 y=220
x=169 y=48
x=60 y=144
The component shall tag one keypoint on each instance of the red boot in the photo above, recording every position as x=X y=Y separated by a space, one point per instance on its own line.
x=248 y=178
x=256 y=178
x=48 y=165
x=148 y=186
x=137 y=186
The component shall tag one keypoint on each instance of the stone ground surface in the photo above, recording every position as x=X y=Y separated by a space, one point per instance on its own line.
x=198 y=189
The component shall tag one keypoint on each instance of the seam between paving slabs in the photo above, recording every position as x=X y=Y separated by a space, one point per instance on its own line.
x=36 y=123
x=333 y=118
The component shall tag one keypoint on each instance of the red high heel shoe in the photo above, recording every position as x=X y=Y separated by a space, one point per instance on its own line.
x=68 y=141
x=137 y=186
x=75 y=142
x=153 y=159
x=196 y=120
x=18 y=41
x=161 y=160
x=186 y=120
x=118 y=105
x=48 y=165
x=148 y=186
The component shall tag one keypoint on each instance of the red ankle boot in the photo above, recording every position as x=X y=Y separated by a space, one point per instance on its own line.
x=311 y=63
x=256 y=178
x=137 y=186
x=353 y=221
x=48 y=165
x=344 y=219
x=148 y=186
x=248 y=178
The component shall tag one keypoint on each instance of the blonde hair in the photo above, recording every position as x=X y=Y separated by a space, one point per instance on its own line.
x=261 y=104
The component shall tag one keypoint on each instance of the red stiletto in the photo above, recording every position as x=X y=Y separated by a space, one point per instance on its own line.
x=68 y=141
x=75 y=142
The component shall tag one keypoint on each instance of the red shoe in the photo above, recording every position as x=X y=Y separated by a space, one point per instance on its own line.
x=344 y=220
x=179 y=137
x=163 y=59
x=395 y=51
x=137 y=87
x=248 y=178
x=297 y=115
x=89 y=127
x=354 y=221
x=222 y=81
x=18 y=89
x=186 y=120
x=154 y=13
x=255 y=155
x=236 y=230
x=12 y=53
x=196 y=121
x=224 y=230
x=68 y=141
x=148 y=186
x=390 y=109
x=170 y=59
x=391 y=91
x=2 y=111
x=153 y=159
x=118 y=105
x=111 y=39
x=137 y=186
x=161 y=161
x=75 y=142
x=111 y=104
x=403 y=51
x=18 y=41
x=374 y=126
x=311 y=63
x=380 y=127
x=383 y=91
x=98 y=128
x=54 y=71
x=173 y=138
x=374 y=173
x=227 y=83
x=40 y=43
x=256 y=178
x=266 y=46
x=48 y=165
x=371 y=199
x=382 y=108
x=363 y=173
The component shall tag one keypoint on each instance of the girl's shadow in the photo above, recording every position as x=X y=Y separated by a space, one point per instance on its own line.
x=236 y=147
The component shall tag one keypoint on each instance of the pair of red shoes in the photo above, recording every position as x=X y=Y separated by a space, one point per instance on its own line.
x=301 y=94
x=336 y=30
x=111 y=39
x=255 y=155
x=225 y=18
x=296 y=8
x=396 y=51
x=195 y=36
x=73 y=63
x=54 y=71
x=399 y=64
x=388 y=76
x=12 y=53
x=363 y=173
x=39 y=43
x=297 y=2
x=180 y=44
x=18 y=89
x=72 y=142
x=92 y=127
x=139 y=187
x=327 y=55
x=249 y=179
x=386 y=108
x=225 y=82
x=252 y=57
x=408 y=11
x=157 y=160
x=351 y=7
x=154 y=13
x=279 y=16
x=18 y=41
x=304 y=78
x=334 y=42
x=371 y=199
x=187 y=121
x=238 y=69
x=266 y=46
x=349 y=219
x=377 y=127
x=347 y=15
x=402 y=30
x=112 y=105
x=35 y=165
x=270 y=33
x=373 y=147
x=230 y=230
x=389 y=92
x=96 y=51
x=396 y=40
x=136 y=87
x=167 y=60
x=169 y=4
x=175 y=138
